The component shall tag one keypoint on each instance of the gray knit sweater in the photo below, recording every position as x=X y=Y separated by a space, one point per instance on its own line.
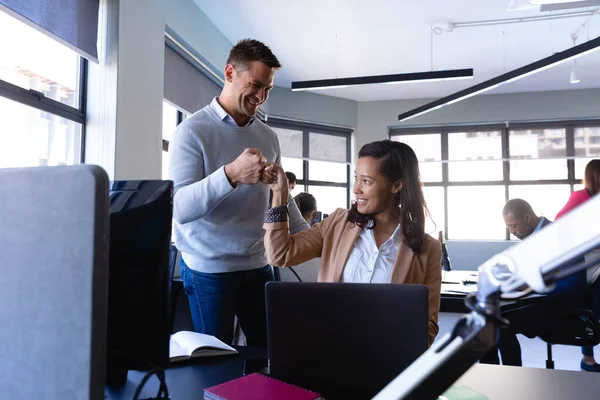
x=218 y=228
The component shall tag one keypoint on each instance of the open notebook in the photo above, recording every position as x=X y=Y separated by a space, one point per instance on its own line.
x=185 y=345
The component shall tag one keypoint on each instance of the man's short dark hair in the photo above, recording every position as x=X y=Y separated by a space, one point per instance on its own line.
x=248 y=50
x=291 y=177
x=518 y=208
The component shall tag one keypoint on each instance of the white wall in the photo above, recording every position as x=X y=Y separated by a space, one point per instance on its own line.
x=312 y=107
x=374 y=118
x=193 y=28
x=124 y=129
x=200 y=36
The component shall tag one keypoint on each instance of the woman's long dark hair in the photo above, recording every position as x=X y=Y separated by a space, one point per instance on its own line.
x=398 y=161
x=592 y=177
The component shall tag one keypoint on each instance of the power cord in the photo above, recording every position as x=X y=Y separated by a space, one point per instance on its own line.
x=297 y=276
x=163 y=391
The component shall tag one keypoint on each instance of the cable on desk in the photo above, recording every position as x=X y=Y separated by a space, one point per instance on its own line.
x=163 y=392
x=297 y=276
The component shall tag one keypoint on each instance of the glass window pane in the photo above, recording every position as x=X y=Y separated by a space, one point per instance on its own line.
x=538 y=154
x=293 y=165
x=169 y=121
x=327 y=147
x=327 y=171
x=434 y=197
x=428 y=148
x=546 y=200
x=587 y=147
x=31 y=137
x=165 y=165
x=475 y=212
x=32 y=60
x=329 y=198
x=475 y=156
x=290 y=142
x=538 y=169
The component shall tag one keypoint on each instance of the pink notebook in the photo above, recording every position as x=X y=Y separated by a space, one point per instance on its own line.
x=258 y=387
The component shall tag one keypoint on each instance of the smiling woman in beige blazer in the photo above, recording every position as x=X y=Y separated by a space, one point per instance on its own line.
x=381 y=239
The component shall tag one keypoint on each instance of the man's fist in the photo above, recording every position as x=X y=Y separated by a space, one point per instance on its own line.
x=247 y=168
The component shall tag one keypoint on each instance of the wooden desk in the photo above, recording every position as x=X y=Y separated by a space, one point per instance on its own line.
x=493 y=381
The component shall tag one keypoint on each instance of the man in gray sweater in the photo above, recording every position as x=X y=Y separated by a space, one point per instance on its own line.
x=217 y=157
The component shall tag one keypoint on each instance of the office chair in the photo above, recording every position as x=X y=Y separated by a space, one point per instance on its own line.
x=576 y=325
x=446 y=266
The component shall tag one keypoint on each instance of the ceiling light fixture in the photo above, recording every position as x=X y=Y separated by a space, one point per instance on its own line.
x=519 y=73
x=574 y=75
x=413 y=77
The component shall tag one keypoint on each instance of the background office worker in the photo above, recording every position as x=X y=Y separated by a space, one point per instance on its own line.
x=591 y=183
x=381 y=239
x=217 y=158
x=522 y=221
x=307 y=204
x=291 y=180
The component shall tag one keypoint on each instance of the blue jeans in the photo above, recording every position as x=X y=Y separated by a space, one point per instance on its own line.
x=216 y=298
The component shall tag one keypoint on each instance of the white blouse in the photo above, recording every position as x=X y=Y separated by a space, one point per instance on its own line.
x=367 y=263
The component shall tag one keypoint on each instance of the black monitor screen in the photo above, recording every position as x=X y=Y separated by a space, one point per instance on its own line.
x=139 y=277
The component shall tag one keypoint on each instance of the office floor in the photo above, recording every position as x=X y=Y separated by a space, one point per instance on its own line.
x=533 y=350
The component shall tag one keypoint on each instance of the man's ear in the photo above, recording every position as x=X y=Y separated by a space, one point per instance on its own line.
x=397 y=187
x=228 y=72
x=527 y=218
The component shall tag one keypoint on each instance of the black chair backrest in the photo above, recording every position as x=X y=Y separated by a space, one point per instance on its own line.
x=445 y=257
x=575 y=327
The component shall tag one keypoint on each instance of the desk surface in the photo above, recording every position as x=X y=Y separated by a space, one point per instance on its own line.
x=453 y=291
x=493 y=381
x=514 y=383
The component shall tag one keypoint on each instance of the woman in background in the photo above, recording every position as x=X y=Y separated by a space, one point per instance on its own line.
x=591 y=183
x=381 y=239
x=307 y=204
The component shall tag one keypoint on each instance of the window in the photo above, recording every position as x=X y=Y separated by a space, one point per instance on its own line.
x=475 y=212
x=474 y=156
x=188 y=87
x=320 y=158
x=428 y=148
x=171 y=118
x=435 y=222
x=291 y=159
x=470 y=172
x=546 y=200
x=538 y=154
x=41 y=101
x=587 y=147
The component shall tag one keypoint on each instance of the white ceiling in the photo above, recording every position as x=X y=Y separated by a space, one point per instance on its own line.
x=345 y=38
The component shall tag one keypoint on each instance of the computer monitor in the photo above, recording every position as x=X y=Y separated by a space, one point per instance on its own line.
x=139 y=277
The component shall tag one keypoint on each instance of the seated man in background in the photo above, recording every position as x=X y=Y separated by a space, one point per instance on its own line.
x=307 y=204
x=522 y=221
x=291 y=180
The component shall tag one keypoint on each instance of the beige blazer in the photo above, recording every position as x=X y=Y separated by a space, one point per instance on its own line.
x=334 y=239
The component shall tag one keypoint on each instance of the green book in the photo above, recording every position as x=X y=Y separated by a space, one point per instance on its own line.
x=461 y=393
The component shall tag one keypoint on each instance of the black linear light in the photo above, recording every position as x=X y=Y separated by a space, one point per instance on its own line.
x=412 y=77
x=519 y=73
